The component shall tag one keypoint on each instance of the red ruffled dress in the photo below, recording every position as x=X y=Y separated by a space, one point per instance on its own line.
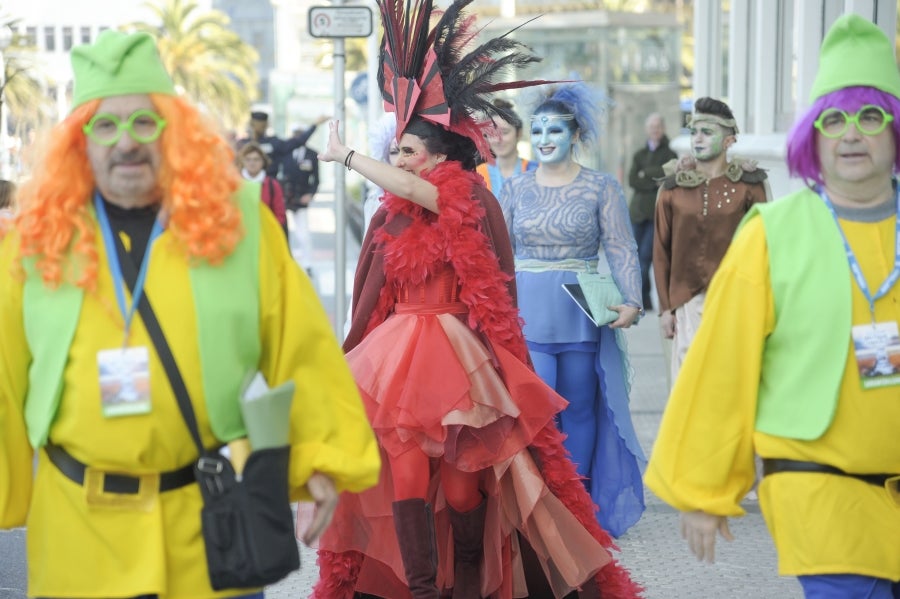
x=427 y=380
x=436 y=369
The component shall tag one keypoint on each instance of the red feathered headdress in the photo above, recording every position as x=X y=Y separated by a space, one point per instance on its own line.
x=423 y=72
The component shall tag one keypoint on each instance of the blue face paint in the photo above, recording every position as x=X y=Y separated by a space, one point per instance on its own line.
x=552 y=137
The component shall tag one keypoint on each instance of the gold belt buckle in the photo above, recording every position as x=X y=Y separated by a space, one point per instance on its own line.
x=143 y=500
x=893 y=488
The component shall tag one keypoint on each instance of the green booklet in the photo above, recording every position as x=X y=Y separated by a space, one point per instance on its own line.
x=266 y=411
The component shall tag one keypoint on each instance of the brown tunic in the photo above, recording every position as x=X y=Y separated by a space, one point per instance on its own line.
x=693 y=228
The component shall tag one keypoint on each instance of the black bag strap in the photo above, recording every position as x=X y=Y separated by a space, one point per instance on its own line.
x=130 y=274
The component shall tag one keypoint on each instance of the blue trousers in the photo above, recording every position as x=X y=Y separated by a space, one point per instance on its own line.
x=572 y=375
x=848 y=586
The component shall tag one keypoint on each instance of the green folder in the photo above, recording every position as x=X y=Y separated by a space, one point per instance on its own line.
x=593 y=294
x=266 y=412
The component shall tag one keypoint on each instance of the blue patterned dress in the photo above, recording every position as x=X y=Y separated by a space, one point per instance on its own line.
x=556 y=232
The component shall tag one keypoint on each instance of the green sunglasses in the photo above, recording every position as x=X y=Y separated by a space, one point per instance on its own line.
x=144 y=126
x=869 y=120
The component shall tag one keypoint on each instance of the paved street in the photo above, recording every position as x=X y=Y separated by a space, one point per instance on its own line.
x=652 y=550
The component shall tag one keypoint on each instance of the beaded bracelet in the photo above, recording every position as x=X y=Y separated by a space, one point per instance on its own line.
x=348 y=159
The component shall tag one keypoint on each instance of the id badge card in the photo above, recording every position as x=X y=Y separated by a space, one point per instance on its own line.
x=124 y=381
x=306 y=165
x=877 y=350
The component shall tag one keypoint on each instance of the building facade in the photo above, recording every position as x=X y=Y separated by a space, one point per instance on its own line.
x=759 y=55
x=762 y=56
x=632 y=58
x=254 y=22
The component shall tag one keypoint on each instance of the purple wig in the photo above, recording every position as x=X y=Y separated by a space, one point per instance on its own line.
x=802 y=155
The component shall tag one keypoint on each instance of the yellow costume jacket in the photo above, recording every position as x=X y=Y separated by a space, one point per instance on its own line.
x=81 y=550
x=703 y=458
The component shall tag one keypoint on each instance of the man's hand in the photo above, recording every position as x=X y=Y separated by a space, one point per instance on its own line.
x=699 y=530
x=667 y=324
x=306 y=199
x=321 y=489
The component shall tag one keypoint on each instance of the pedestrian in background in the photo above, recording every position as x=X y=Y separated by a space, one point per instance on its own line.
x=300 y=181
x=504 y=139
x=254 y=163
x=300 y=175
x=785 y=363
x=698 y=209
x=135 y=180
x=7 y=199
x=275 y=147
x=644 y=178
x=563 y=219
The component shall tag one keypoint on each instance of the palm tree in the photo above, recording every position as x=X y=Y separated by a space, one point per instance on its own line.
x=23 y=90
x=208 y=61
x=355 y=54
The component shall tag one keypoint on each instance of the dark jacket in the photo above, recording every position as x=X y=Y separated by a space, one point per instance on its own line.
x=299 y=175
x=276 y=148
x=646 y=168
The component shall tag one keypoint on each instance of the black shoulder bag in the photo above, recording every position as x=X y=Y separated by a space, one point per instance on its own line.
x=247 y=523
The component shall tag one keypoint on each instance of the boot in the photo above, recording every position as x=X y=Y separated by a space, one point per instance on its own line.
x=468 y=547
x=590 y=589
x=414 y=523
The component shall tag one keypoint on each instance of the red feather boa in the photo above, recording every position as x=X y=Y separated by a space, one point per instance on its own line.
x=456 y=235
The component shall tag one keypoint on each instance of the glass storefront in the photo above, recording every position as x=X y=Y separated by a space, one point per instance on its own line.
x=633 y=58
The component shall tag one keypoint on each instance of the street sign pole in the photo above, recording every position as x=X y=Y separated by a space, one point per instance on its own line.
x=340 y=192
x=340 y=22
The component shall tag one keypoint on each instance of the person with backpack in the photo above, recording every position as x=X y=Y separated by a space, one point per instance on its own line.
x=254 y=165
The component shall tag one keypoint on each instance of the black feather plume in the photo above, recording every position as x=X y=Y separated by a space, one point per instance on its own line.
x=468 y=77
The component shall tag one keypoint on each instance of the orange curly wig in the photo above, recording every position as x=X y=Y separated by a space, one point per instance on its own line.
x=197 y=179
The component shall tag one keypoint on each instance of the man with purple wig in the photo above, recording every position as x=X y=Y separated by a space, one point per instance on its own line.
x=798 y=355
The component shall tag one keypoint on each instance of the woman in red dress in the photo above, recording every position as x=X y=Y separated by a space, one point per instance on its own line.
x=476 y=496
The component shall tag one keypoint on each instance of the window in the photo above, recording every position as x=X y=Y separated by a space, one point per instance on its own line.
x=85 y=35
x=31 y=36
x=67 y=38
x=49 y=39
x=785 y=68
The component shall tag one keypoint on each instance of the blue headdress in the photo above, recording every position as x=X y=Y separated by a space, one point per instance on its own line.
x=586 y=104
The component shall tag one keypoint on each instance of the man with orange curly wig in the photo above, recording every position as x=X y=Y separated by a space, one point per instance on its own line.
x=137 y=203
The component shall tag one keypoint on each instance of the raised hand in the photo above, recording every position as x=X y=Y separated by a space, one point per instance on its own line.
x=335 y=150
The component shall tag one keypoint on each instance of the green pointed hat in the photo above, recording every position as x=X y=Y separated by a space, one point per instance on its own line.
x=855 y=52
x=118 y=64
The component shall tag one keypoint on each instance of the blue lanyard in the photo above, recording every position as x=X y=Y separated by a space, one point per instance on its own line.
x=854 y=263
x=112 y=258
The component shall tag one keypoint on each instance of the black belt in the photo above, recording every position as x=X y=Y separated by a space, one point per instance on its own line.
x=775 y=465
x=117 y=483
